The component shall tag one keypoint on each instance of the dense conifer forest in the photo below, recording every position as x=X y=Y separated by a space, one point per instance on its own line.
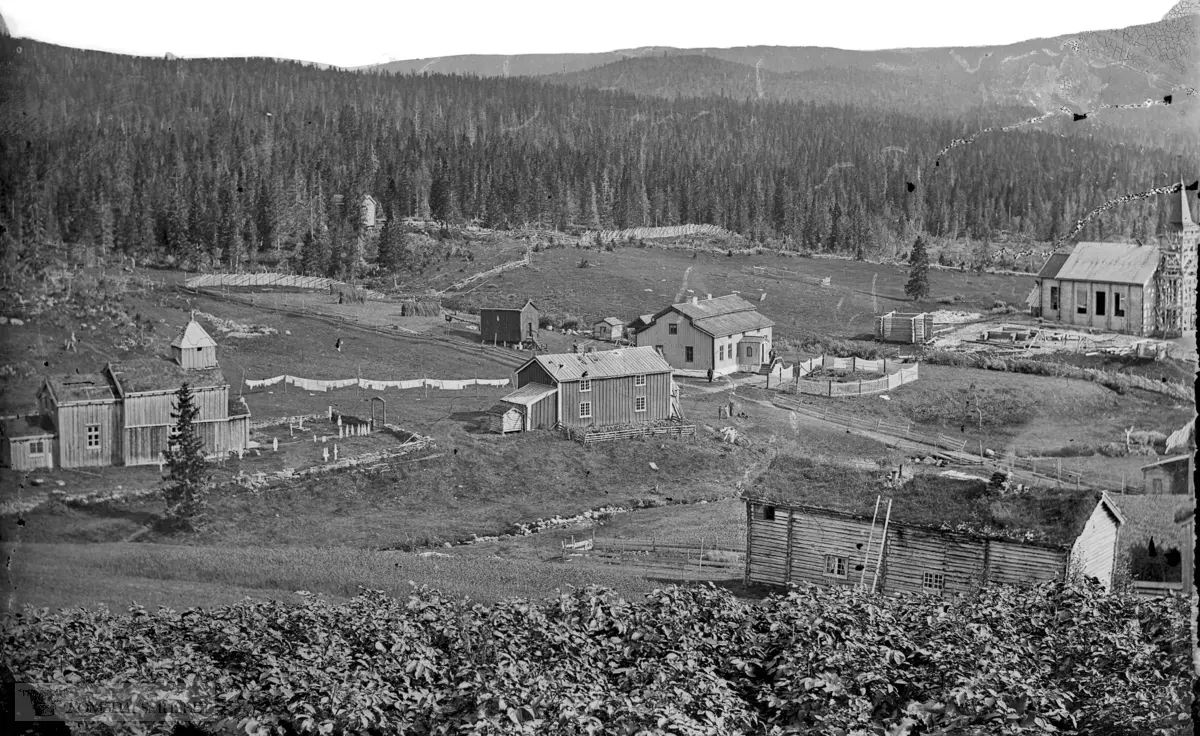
x=203 y=161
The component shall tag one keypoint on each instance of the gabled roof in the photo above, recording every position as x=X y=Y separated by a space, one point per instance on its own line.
x=613 y=321
x=69 y=388
x=1053 y=265
x=193 y=336
x=702 y=308
x=1153 y=516
x=731 y=324
x=1117 y=263
x=157 y=374
x=528 y=303
x=604 y=364
x=530 y=394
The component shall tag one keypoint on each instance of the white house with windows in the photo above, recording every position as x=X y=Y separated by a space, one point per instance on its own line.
x=726 y=334
x=1109 y=286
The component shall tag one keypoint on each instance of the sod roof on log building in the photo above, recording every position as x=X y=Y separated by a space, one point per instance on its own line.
x=79 y=387
x=928 y=500
x=161 y=374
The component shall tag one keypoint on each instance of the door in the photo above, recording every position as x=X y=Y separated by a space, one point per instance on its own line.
x=748 y=357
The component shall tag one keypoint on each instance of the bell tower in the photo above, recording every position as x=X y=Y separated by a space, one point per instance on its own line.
x=1175 y=280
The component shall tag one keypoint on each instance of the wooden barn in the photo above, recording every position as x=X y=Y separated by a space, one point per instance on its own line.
x=726 y=334
x=1172 y=475
x=789 y=542
x=911 y=328
x=193 y=348
x=122 y=415
x=27 y=443
x=609 y=328
x=600 y=389
x=509 y=325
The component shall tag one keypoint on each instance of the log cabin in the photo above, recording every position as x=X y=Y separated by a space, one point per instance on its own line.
x=923 y=545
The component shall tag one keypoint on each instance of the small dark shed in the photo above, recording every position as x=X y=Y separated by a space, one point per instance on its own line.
x=509 y=324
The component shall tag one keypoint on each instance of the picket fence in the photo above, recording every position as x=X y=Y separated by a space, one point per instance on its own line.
x=903 y=373
x=273 y=279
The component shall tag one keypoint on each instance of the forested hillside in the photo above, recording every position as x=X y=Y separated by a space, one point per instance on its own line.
x=228 y=159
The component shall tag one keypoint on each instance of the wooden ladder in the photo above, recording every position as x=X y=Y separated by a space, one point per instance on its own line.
x=882 y=543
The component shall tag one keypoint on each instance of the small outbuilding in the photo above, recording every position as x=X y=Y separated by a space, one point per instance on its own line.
x=504 y=418
x=193 y=348
x=609 y=328
x=906 y=327
x=27 y=443
x=536 y=406
x=1169 y=476
x=509 y=325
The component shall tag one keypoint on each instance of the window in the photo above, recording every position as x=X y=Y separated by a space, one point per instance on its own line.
x=38 y=448
x=1081 y=300
x=93 y=436
x=934 y=581
x=1118 y=307
x=720 y=352
x=1054 y=297
x=689 y=354
x=1158 y=485
x=768 y=513
x=639 y=404
x=835 y=566
x=1099 y=303
x=639 y=380
x=673 y=328
x=585 y=385
x=749 y=351
x=585 y=410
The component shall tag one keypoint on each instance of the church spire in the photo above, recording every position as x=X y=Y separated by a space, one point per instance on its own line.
x=1181 y=211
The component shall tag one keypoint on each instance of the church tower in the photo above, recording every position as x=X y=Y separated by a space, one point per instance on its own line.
x=1175 y=281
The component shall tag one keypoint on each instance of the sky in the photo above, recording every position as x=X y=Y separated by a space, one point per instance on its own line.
x=368 y=32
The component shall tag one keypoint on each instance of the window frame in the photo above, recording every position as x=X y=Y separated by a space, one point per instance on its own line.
x=1081 y=305
x=585 y=385
x=1156 y=485
x=37 y=448
x=1054 y=298
x=89 y=430
x=933 y=581
x=767 y=512
x=587 y=415
x=1100 y=305
x=689 y=354
x=639 y=380
x=749 y=351
x=1118 y=307
x=672 y=328
x=639 y=400
x=839 y=563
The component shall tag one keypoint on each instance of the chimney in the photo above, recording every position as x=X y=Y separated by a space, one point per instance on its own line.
x=695 y=300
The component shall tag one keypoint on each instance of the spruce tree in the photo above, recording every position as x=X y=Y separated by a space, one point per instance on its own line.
x=188 y=481
x=391 y=245
x=918 y=274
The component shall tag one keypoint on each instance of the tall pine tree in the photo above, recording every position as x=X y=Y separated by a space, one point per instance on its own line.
x=918 y=274
x=188 y=481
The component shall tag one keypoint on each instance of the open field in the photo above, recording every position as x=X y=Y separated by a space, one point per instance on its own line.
x=321 y=534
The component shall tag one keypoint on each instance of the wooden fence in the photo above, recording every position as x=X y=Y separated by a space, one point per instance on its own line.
x=897 y=374
x=785 y=273
x=273 y=279
x=587 y=435
x=484 y=274
x=650 y=233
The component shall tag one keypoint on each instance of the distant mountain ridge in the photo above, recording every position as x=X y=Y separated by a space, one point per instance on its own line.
x=1081 y=71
